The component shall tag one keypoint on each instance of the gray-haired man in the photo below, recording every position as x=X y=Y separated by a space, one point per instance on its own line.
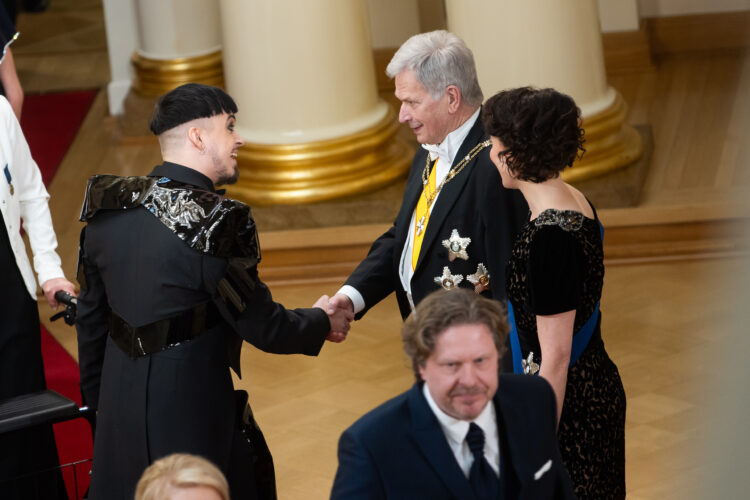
x=456 y=223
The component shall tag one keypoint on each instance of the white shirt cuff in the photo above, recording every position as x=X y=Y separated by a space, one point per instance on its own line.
x=355 y=296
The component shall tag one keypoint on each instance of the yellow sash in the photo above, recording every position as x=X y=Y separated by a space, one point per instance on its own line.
x=422 y=217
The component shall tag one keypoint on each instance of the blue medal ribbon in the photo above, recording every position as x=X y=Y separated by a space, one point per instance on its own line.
x=6 y=170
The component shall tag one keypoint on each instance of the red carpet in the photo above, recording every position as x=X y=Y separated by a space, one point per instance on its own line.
x=73 y=437
x=50 y=123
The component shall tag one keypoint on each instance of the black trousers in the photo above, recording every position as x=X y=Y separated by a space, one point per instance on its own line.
x=30 y=450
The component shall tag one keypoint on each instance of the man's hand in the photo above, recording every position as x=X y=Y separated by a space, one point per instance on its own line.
x=341 y=301
x=338 y=317
x=51 y=286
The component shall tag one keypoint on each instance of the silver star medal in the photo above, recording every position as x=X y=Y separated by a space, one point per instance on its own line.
x=456 y=246
x=448 y=280
x=480 y=279
x=529 y=367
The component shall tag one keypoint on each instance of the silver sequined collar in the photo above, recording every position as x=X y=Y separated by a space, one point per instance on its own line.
x=568 y=220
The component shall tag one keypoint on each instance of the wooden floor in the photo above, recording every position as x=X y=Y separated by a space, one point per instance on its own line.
x=669 y=326
x=698 y=106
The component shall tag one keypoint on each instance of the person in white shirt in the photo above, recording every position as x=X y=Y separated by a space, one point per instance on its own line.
x=461 y=431
x=457 y=222
x=23 y=204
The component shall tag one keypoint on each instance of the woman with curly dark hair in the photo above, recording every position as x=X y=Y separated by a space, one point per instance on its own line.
x=554 y=282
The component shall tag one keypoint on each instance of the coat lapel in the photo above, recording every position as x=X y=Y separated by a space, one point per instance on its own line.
x=430 y=439
x=451 y=191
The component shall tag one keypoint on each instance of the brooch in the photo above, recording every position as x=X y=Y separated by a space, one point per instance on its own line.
x=456 y=246
x=568 y=220
x=529 y=367
x=448 y=280
x=480 y=279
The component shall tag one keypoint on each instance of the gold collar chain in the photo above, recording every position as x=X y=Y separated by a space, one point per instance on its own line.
x=454 y=171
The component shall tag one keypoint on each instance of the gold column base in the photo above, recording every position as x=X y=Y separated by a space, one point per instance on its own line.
x=610 y=143
x=282 y=174
x=154 y=77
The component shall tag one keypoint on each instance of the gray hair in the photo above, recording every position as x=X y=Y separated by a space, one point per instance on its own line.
x=439 y=59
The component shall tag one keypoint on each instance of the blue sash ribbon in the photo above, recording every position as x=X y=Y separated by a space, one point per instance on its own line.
x=581 y=338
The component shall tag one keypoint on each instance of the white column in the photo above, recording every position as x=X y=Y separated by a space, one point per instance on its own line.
x=122 y=41
x=179 y=41
x=302 y=74
x=550 y=44
x=178 y=28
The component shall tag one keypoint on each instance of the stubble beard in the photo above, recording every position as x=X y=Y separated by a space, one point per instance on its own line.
x=225 y=180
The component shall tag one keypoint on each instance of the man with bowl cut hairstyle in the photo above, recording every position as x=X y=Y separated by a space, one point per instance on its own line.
x=169 y=290
x=456 y=222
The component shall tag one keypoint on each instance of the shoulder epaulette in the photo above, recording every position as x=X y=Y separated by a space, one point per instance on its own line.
x=206 y=221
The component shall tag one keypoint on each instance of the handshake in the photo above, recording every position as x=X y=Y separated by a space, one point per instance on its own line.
x=340 y=311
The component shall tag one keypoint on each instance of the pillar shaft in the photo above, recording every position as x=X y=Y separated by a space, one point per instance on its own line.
x=551 y=44
x=302 y=74
x=178 y=28
x=179 y=42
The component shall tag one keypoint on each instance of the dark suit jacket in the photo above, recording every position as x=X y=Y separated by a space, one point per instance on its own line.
x=475 y=203
x=180 y=399
x=399 y=451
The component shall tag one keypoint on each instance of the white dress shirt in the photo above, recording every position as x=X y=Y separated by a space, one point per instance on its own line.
x=445 y=152
x=28 y=202
x=455 y=433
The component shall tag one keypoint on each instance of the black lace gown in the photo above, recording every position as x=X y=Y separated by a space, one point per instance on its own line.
x=556 y=266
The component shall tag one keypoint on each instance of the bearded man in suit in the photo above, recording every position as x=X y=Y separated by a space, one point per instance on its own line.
x=461 y=432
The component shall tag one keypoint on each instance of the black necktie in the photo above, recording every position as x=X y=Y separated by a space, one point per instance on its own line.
x=481 y=476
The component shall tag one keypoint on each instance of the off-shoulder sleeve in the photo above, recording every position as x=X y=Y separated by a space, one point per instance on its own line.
x=555 y=271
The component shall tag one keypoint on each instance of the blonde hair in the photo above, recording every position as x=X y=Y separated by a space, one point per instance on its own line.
x=178 y=471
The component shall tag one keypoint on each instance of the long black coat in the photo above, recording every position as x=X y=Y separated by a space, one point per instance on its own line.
x=474 y=203
x=180 y=399
x=399 y=450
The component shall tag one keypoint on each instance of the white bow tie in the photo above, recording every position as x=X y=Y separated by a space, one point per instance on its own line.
x=436 y=151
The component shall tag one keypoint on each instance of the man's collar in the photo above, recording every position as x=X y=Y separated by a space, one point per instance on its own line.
x=449 y=147
x=454 y=429
x=181 y=173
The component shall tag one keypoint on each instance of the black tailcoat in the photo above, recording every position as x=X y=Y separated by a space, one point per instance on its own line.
x=474 y=203
x=180 y=399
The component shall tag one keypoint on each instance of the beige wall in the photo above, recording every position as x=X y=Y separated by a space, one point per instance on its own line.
x=618 y=15
x=392 y=22
x=665 y=8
